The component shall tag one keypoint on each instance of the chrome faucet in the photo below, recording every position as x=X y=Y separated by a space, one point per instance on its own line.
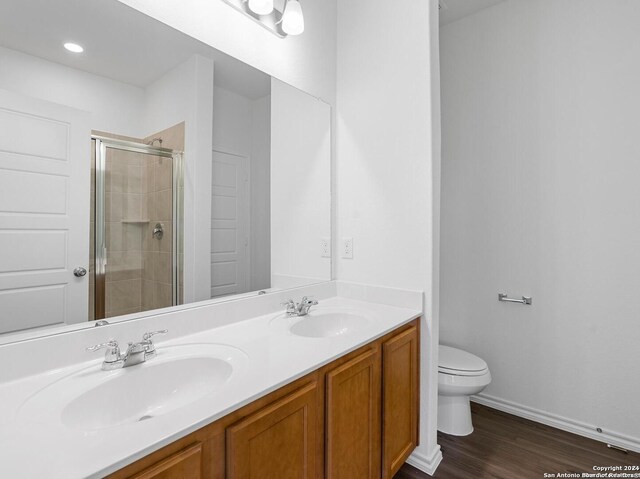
x=136 y=352
x=299 y=309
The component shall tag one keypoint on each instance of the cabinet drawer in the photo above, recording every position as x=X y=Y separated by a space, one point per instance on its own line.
x=185 y=464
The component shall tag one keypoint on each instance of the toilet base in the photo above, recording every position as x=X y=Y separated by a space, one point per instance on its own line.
x=454 y=415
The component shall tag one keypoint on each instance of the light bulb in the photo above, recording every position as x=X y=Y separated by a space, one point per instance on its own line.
x=261 y=7
x=292 y=19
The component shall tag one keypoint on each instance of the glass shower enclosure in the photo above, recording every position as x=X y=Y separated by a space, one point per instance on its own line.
x=135 y=221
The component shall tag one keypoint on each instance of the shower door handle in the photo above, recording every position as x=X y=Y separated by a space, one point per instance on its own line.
x=79 y=272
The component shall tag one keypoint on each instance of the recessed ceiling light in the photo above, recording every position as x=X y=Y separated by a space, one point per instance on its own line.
x=73 y=47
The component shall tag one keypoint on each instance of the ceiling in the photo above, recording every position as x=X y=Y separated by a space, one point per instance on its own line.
x=120 y=43
x=452 y=10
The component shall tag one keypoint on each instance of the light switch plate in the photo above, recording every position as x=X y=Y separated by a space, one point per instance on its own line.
x=347 y=248
x=325 y=247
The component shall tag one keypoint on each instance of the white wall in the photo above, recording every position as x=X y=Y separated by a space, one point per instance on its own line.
x=261 y=194
x=300 y=185
x=540 y=197
x=231 y=122
x=115 y=107
x=387 y=165
x=306 y=61
x=186 y=94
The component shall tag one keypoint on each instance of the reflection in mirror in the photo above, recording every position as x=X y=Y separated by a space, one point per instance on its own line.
x=134 y=223
x=147 y=171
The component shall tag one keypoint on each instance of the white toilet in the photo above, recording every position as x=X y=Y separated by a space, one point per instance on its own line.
x=460 y=375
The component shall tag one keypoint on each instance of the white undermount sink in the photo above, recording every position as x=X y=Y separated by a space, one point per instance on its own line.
x=322 y=324
x=92 y=399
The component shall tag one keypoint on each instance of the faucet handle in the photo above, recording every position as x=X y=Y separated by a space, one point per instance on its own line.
x=150 y=334
x=150 y=351
x=113 y=350
x=291 y=306
x=112 y=344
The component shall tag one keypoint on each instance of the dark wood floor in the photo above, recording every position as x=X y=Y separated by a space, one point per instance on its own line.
x=508 y=447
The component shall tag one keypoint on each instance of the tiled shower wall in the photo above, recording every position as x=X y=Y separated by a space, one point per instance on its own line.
x=156 y=253
x=156 y=287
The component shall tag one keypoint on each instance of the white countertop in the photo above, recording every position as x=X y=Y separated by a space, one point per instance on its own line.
x=35 y=448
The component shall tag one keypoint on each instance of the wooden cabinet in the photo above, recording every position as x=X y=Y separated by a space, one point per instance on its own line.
x=400 y=400
x=278 y=441
x=186 y=463
x=353 y=418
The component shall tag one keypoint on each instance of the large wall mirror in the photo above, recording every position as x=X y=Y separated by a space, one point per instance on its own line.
x=147 y=171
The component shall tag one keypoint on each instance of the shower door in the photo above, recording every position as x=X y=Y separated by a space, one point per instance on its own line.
x=136 y=233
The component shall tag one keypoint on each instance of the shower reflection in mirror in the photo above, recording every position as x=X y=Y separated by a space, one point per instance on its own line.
x=134 y=266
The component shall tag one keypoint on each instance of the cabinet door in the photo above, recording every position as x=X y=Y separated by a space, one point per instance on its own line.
x=277 y=442
x=400 y=400
x=181 y=465
x=353 y=418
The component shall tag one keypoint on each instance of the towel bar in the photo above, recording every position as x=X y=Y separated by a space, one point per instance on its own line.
x=504 y=298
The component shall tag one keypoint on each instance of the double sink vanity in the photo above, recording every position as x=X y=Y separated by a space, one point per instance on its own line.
x=326 y=390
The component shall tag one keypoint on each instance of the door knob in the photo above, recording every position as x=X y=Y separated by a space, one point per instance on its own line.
x=79 y=272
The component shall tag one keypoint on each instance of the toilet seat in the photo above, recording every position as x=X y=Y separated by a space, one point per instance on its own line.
x=456 y=362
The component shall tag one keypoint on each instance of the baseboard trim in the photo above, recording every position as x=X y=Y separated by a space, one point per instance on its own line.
x=559 y=422
x=424 y=463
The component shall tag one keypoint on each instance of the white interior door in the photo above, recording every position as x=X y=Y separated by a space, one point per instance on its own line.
x=44 y=212
x=229 y=225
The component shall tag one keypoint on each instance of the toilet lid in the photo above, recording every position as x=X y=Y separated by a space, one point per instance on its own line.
x=457 y=361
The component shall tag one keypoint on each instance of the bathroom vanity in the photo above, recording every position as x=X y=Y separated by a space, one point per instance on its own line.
x=233 y=388
x=351 y=417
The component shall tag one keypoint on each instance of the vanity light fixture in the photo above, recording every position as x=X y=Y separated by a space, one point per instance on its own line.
x=280 y=17
x=73 y=47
